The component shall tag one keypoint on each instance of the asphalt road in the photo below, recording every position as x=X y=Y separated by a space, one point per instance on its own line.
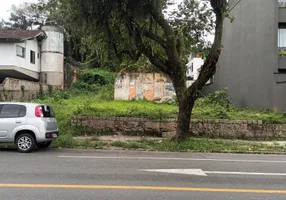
x=89 y=174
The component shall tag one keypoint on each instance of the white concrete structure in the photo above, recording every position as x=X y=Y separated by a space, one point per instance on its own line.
x=193 y=69
x=33 y=55
x=52 y=56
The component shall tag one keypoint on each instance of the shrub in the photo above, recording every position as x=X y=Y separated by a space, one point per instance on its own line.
x=50 y=89
x=94 y=79
x=218 y=97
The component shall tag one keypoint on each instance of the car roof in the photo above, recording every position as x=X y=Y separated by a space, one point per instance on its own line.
x=22 y=103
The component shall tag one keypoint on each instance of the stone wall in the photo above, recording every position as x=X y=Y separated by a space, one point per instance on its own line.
x=14 y=89
x=231 y=129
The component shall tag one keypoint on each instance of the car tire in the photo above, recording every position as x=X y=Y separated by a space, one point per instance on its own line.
x=43 y=145
x=25 y=143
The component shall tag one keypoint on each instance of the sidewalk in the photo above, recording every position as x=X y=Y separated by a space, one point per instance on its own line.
x=191 y=145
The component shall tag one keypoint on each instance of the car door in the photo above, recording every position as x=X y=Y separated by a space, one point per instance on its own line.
x=49 y=118
x=11 y=116
x=3 y=131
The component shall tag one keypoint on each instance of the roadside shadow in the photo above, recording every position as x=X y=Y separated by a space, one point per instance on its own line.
x=14 y=149
x=8 y=149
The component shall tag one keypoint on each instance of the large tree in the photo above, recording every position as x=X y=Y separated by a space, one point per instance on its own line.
x=27 y=16
x=135 y=28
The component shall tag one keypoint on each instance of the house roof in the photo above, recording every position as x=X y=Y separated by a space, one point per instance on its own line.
x=17 y=34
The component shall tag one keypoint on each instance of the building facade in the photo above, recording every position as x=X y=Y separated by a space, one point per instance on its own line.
x=193 y=69
x=33 y=55
x=252 y=64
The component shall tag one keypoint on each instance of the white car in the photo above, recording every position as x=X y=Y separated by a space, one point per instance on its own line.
x=27 y=125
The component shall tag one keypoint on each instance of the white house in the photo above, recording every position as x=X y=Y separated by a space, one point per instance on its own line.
x=193 y=69
x=33 y=55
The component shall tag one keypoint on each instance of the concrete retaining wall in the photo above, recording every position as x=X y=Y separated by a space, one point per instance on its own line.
x=208 y=128
x=14 y=89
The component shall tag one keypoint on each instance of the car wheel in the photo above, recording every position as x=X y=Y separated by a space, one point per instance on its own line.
x=44 y=145
x=25 y=143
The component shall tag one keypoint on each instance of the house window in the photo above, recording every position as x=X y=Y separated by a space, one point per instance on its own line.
x=282 y=35
x=192 y=67
x=20 y=51
x=32 y=57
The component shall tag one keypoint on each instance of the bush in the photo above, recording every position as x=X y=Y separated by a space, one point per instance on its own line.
x=218 y=97
x=80 y=85
x=94 y=79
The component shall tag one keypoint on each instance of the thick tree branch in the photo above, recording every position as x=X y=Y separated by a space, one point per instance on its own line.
x=155 y=38
x=174 y=67
x=169 y=33
x=209 y=67
x=160 y=19
x=154 y=58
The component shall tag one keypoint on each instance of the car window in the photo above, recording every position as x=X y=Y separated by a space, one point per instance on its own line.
x=47 y=111
x=22 y=112
x=12 y=111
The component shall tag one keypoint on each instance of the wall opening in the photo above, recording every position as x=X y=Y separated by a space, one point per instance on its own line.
x=32 y=57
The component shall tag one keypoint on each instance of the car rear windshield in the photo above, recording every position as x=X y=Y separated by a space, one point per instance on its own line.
x=47 y=111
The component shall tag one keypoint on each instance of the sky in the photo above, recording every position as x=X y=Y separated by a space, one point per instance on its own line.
x=5 y=7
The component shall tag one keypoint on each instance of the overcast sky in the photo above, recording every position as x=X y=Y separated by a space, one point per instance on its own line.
x=5 y=7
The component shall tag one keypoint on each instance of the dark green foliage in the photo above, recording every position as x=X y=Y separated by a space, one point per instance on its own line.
x=50 y=89
x=94 y=79
x=23 y=91
x=218 y=97
x=41 y=91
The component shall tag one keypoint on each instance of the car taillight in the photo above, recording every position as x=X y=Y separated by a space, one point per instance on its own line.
x=39 y=111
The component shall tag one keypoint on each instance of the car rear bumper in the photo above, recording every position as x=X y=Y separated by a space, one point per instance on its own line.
x=52 y=135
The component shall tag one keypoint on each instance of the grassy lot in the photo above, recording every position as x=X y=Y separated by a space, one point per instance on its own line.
x=68 y=104
x=92 y=95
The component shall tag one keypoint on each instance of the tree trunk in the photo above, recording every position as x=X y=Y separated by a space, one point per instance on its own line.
x=188 y=97
x=184 y=118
